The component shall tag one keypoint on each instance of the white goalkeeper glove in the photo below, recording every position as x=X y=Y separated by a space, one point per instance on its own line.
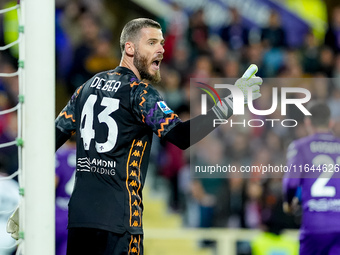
x=13 y=224
x=248 y=80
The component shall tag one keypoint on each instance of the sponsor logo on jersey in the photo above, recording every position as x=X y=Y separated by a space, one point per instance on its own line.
x=100 y=166
x=162 y=105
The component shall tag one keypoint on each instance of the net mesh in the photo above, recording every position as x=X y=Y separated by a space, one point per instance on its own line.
x=18 y=109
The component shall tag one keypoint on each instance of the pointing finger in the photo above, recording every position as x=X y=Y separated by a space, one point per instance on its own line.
x=252 y=70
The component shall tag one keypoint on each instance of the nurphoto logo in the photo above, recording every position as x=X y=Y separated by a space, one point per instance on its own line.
x=279 y=100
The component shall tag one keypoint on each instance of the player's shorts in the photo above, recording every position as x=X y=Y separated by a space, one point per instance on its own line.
x=320 y=244
x=90 y=241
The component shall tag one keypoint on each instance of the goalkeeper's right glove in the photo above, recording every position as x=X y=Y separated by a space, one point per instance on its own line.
x=13 y=224
x=248 y=80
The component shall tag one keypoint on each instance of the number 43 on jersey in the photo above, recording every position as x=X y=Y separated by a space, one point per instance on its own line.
x=87 y=117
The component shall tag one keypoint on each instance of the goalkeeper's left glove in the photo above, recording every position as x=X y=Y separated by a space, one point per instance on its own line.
x=248 y=80
x=13 y=224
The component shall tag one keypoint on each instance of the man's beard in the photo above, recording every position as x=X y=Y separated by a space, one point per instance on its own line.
x=141 y=63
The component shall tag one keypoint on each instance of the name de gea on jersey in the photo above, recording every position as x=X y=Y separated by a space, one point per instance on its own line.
x=105 y=85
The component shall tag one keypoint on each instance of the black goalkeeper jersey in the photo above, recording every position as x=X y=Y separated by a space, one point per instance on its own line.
x=114 y=115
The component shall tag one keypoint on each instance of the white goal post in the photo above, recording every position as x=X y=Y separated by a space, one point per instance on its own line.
x=37 y=53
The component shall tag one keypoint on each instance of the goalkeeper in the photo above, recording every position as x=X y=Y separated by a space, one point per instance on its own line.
x=114 y=115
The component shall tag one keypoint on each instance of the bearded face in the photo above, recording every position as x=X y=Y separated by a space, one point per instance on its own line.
x=148 y=68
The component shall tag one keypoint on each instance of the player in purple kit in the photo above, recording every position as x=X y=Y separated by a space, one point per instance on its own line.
x=65 y=176
x=315 y=165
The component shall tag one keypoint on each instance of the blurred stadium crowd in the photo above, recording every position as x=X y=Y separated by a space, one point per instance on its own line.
x=87 y=42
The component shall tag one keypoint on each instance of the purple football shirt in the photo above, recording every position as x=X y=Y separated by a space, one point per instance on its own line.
x=65 y=169
x=65 y=172
x=314 y=163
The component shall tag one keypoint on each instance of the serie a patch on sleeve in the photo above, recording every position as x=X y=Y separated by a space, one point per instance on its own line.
x=163 y=106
